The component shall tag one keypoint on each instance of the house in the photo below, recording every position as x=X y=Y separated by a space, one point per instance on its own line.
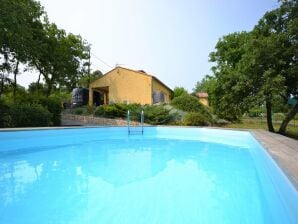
x=203 y=98
x=123 y=85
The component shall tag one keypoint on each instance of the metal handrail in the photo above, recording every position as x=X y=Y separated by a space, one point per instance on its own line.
x=128 y=122
x=142 y=121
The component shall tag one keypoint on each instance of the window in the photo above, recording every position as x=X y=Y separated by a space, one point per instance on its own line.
x=158 y=97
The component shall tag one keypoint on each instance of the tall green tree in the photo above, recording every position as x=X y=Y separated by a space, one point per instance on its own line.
x=230 y=87
x=19 y=19
x=59 y=58
x=257 y=67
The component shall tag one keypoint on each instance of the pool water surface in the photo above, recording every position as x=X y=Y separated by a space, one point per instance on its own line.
x=167 y=175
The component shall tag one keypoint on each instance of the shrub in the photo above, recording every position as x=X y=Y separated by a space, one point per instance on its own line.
x=119 y=110
x=278 y=116
x=255 y=112
x=90 y=109
x=190 y=103
x=78 y=111
x=158 y=115
x=30 y=115
x=4 y=114
x=195 y=119
x=53 y=104
x=187 y=103
x=109 y=111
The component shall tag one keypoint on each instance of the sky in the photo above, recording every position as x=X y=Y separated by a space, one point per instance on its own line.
x=170 y=39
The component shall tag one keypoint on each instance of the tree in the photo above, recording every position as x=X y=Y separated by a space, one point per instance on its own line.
x=254 y=68
x=18 y=22
x=207 y=85
x=231 y=86
x=178 y=91
x=59 y=57
x=275 y=52
x=86 y=79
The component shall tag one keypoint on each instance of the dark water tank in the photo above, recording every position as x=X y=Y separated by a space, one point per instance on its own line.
x=79 y=97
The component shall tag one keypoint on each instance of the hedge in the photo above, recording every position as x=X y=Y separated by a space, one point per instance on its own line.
x=30 y=115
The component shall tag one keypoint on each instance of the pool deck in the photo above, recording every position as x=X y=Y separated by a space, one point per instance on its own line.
x=283 y=150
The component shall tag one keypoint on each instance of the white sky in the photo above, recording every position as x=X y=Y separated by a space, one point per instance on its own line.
x=170 y=39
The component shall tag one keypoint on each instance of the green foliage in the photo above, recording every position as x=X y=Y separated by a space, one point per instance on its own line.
x=60 y=57
x=37 y=88
x=111 y=111
x=78 y=111
x=4 y=114
x=278 y=116
x=19 y=23
x=53 y=104
x=90 y=109
x=28 y=38
x=30 y=115
x=256 y=111
x=88 y=78
x=208 y=85
x=188 y=103
x=155 y=114
x=259 y=67
x=178 y=91
x=196 y=119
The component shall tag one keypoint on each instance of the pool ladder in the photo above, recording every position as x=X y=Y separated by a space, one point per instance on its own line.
x=129 y=127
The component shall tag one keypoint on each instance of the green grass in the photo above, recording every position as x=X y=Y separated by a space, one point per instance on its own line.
x=250 y=123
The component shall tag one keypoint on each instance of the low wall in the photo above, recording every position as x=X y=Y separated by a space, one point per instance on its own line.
x=72 y=119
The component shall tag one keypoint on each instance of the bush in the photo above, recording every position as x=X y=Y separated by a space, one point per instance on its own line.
x=90 y=109
x=53 y=104
x=78 y=111
x=119 y=110
x=158 y=115
x=187 y=103
x=255 y=112
x=190 y=103
x=278 y=116
x=196 y=119
x=110 y=111
x=4 y=115
x=30 y=115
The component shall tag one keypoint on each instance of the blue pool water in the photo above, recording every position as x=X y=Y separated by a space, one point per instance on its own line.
x=169 y=175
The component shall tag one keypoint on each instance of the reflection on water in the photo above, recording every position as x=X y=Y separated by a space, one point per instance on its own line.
x=131 y=181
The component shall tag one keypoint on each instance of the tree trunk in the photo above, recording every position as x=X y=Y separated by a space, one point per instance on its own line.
x=38 y=80
x=15 y=73
x=269 y=115
x=288 y=118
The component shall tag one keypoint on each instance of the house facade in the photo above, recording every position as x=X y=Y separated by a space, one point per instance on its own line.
x=123 y=85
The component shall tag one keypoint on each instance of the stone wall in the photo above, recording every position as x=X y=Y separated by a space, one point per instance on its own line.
x=72 y=119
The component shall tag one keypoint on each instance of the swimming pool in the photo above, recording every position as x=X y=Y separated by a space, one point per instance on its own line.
x=167 y=175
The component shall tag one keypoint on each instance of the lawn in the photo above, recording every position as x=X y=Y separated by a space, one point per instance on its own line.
x=253 y=123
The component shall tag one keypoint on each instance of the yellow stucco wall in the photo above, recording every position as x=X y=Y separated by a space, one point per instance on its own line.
x=204 y=101
x=125 y=86
x=157 y=86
